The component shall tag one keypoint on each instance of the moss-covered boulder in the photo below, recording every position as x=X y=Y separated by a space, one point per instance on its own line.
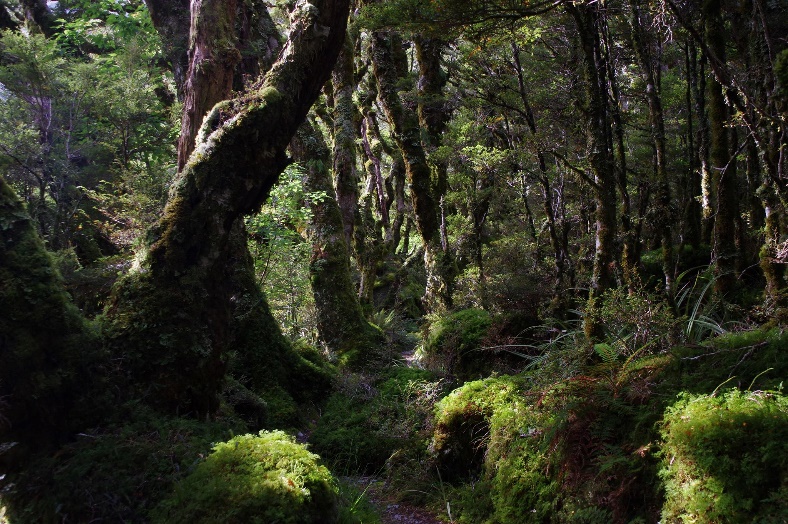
x=453 y=344
x=725 y=458
x=488 y=432
x=261 y=478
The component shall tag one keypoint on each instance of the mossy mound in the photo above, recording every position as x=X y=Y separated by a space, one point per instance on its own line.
x=725 y=458
x=487 y=433
x=587 y=448
x=49 y=354
x=255 y=479
x=453 y=344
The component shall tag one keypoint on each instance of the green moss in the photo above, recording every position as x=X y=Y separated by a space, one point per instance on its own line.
x=453 y=344
x=725 y=458
x=49 y=355
x=263 y=478
x=486 y=429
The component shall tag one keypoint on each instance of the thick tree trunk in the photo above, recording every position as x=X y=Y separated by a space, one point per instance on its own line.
x=179 y=293
x=212 y=60
x=340 y=321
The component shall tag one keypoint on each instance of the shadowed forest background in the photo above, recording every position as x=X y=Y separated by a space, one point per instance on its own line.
x=292 y=261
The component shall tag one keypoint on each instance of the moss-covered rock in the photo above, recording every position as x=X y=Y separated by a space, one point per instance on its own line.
x=255 y=478
x=486 y=431
x=725 y=458
x=453 y=344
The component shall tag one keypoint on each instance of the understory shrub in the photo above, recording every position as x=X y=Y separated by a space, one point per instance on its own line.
x=725 y=458
x=261 y=478
x=371 y=423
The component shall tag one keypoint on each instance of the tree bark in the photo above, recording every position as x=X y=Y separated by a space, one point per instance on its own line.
x=179 y=292
x=340 y=320
x=212 y=59
x=651 y=72
x=407 y=134
x=345 y=123
x=722 y=164
x=599 y=147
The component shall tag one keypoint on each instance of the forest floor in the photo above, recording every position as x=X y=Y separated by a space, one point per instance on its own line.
x=391 y=510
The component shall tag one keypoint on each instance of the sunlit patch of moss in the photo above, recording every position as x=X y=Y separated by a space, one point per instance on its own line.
x=725 y=458
x=255 y=478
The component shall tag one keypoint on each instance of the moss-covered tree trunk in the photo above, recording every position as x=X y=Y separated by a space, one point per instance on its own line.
x=600 y=153
x=48 y=354
x=345 y=125
x=406 y=131
x=340 y=321
x=171 y=317
x=722 y=163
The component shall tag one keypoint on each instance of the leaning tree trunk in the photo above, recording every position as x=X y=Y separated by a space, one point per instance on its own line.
x=171 y=317
x=340 y=321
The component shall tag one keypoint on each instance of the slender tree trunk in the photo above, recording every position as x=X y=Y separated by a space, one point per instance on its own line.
x=599 y=146
x=407 y=133
x=693 y=212
x=722 y=164
x=651 y=72
x=345 y=123
x=340 y=321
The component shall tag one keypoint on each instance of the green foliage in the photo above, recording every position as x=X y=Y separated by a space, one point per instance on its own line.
x=371 y=421
x=85 y=139
x=453 y=344
x=263 y=478
x=282 y=254
x=634 y=322
x=725 y=458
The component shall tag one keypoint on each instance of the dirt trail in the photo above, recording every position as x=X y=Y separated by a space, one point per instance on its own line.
x=391 y=511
